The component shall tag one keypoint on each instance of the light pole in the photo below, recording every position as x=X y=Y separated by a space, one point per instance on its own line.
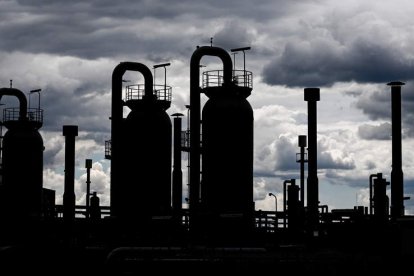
x=271 y=194
x=244 y=60
x=38 y=92
x=165 y=74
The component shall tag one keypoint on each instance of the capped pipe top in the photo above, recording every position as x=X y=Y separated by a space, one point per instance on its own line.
x=312 y=94
x=88 y=163
x=177 y=115
x=302 y=140
x=70 y=130
x=396 y=83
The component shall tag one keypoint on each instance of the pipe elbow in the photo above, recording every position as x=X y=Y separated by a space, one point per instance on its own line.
x=213 y=51
x=20 y=96
x=122 y=67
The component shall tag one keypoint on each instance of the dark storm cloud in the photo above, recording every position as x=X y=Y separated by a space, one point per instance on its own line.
x=234 y=34
x=164 y=9
x=322 y=62
x=377 y=105
x=372 y=132
x=93 y=29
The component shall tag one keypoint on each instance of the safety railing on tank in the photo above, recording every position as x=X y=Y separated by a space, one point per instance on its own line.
x=13 y=114
x=240 y=78
x=80 y=211
x=137 y=92
x=108 y=149
x=34 y=115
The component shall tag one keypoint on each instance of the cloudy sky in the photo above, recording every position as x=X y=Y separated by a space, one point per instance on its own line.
x=350 y=49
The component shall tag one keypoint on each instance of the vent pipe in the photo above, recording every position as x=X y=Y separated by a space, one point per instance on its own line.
x=312 y=96
x=397 y=178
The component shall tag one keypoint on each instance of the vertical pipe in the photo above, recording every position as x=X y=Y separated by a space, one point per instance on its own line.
x=371 y=201
x=88 y=166
x=302 y=145
x=195 y=149
x=177 y=188
x=285 y=201
x=312 y=95
x=70 y=132
x=20 y=96
x=397 y=178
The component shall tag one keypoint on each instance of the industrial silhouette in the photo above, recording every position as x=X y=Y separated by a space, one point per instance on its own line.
x=145 y=226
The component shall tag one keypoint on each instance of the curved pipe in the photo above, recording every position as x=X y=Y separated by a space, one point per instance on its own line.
x=195 y=112
x=117 y=108
x=20 y=96
x=117 y=74
x=117 y=103
x=371 y=178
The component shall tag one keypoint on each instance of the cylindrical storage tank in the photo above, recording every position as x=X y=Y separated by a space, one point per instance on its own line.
x=23 y=169
x=147 y=161
x=227 y=151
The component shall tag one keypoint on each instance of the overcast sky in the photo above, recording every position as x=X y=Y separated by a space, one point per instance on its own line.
x=350 y=49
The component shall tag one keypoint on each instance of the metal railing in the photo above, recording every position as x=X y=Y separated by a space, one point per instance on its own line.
x=137 y=92
x=13 y=114
x=214 y=78
x=80 y=211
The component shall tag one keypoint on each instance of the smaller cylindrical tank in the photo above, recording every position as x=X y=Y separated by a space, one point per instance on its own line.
x=22 y=159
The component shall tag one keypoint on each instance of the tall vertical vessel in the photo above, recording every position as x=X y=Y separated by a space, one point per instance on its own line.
x=227 y=139
x=22 y=158
x=141 y=147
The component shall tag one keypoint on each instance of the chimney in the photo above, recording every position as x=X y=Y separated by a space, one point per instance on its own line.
x=312 y=96
x=397 y=178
